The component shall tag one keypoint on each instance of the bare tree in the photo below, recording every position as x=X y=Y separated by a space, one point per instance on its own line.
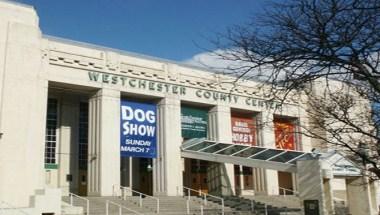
x=295 y=44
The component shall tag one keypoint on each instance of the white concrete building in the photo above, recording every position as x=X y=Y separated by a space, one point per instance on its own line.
x=77 y=118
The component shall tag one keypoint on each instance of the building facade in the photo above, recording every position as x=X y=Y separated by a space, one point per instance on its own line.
x=86 y=119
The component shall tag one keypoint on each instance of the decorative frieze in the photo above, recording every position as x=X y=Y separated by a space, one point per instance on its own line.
x=114 y=64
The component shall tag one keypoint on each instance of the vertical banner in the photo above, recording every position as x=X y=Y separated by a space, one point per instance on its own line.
x=137 y=129
x=284 y=134
x=243 y=130
x=193 y=122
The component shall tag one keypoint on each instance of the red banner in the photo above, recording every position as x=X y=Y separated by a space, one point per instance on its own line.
x=243 y=130
x=284 y=132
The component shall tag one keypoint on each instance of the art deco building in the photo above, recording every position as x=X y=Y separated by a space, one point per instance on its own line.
x=83 y=119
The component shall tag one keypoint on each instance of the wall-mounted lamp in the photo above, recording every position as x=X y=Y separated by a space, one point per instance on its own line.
x=149 y=168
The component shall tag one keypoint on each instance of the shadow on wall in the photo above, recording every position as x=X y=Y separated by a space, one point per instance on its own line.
x=218 y=181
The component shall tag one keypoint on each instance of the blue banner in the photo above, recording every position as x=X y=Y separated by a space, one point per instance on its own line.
x=138 y=129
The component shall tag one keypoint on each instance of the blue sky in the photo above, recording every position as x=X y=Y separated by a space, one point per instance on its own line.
x=170 y=29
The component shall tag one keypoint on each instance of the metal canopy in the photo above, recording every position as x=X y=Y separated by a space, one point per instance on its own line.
x=340 y=165
x=252 y=156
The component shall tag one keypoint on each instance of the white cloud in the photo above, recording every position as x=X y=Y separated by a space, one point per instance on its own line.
x=216 y=61
x=240 y=65
x=212 y=61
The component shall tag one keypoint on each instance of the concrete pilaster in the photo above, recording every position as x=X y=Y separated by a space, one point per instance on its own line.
x=328 y=196
x=167 y=168
x=374 y=186
x=259 y=183
x=104 y=142
x=68 y=144
x=220 y=130
x=268 y=140
x=310 y=182
x=23 y=96
x=359 y=196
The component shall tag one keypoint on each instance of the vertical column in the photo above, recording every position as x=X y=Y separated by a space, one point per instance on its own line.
x=305 y=143
x=268 y=140
x=328 y=195
x=167 y=168
x=68 y=144
x=259 y=185
x=359 y=196
x=220 y=130
x=241 y=182
x=373 y=185
x=311 y=186
x=23 y=96
x=104 y=142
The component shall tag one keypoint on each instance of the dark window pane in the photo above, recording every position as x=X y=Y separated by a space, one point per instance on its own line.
x=232 y=150
x=287 y=156
x=267 y=154
x=200 y=146
x=215 y=148
x=249 y=152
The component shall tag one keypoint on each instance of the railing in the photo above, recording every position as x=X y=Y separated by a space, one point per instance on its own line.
x=234 y=189
x=284 y=191
x=72 y=195
x=124 y=191
x=121 y=207
x=6 y=206
x=205 y=196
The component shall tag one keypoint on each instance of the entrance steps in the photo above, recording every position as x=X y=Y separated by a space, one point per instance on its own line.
x=279 y=201
x=98 y=206
x=67 y=209
x=178 y=205
x=169 y=205
x=274 y=205
x=174 y=205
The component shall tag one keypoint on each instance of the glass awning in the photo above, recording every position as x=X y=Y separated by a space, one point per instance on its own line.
x=341 y=166
x=252 y=156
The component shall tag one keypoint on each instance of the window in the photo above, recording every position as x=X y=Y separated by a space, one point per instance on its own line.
x=83 y=135
x=248 y=178
x=51 y=134
x=199 y=166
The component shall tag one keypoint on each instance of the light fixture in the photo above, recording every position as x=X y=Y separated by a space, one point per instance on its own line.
x=149 y=168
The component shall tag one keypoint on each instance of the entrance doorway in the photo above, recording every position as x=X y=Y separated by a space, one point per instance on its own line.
x=285 y=183
x=146 y=176
x=195 y=175
x=243 y=179
x=82 y=184
x=142 y=169
x=125 y=167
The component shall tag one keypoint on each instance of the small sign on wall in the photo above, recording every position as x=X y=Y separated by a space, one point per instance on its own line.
x=311 y=207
